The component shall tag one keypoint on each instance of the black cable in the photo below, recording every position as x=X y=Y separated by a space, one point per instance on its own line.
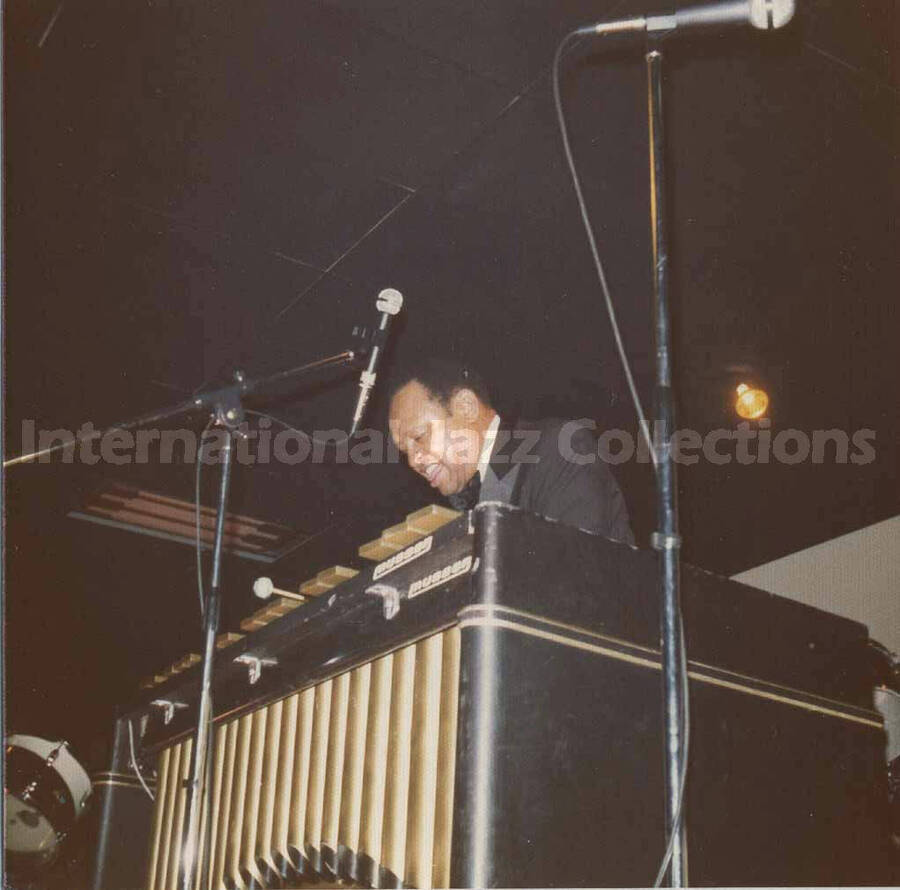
x=592 y=241
x=293 y=429
x=134 y=763
x=199 y=548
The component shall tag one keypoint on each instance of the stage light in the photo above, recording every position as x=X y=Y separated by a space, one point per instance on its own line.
x=751 y=403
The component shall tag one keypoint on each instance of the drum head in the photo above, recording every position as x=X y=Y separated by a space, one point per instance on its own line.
x=28 y=831
x=46 y=792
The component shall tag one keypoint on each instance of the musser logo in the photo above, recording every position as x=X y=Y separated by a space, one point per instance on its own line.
x=420 y=548
x=441 y=576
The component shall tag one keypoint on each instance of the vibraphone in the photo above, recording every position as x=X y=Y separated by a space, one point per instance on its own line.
x=481 y=707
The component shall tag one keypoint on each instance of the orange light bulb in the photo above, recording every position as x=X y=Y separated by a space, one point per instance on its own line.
x=751 y=403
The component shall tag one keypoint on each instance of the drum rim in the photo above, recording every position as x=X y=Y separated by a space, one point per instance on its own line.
x=51 y=794
x=73 y=773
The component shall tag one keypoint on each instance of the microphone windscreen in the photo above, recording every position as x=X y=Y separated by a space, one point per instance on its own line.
x=767 y=14
x=390 y=301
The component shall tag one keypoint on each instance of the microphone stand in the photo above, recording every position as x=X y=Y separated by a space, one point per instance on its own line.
x=226 y=406
x=666 y=539
x=229 y=413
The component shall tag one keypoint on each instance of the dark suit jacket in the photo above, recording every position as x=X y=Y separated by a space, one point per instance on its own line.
x=558 y=474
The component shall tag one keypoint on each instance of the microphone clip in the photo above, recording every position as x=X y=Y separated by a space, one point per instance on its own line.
x=367 y=339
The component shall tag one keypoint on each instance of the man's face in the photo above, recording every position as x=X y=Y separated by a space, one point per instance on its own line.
x=440 y=442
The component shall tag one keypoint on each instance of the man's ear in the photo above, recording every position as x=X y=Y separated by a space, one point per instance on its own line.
x=464 y=404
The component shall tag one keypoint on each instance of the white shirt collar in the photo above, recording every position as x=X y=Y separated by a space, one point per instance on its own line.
x=490 y=436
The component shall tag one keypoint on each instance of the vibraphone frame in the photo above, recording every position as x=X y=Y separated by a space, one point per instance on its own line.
x=557 y=773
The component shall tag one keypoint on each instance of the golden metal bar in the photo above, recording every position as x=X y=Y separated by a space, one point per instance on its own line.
x=375 y=769
x=300 y=792
x=278 y=847
x=177 y=836
x=354 y=766
x=215 y=790
x=268 y=791
x=430 y=518
x=326 y=580
x=205 y=807
x=162 y=775
x=396 y=798
x=334 y=775
x=401 y=535
x=226 y=791
x=446 y=763
x=423 y=763
x=227 y=639
x=336 y=575
x=315 y=804
x=378 y=550
x=238 y=797
x=171 y=792
x=249 y=873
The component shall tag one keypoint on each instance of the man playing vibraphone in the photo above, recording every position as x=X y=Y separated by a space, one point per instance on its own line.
x=442 y=417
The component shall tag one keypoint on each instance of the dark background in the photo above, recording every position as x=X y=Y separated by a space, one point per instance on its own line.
x=196 y=187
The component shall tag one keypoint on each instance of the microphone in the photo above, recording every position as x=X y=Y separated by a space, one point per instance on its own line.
x=762 y=14
x=389 y=303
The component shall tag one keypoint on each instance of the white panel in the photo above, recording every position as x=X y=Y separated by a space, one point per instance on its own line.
x=856 y=575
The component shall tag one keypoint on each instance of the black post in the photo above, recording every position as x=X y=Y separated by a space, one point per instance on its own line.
x=666 y=540
x=196 y=800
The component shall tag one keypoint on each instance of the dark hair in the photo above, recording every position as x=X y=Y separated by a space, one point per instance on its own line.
x=442 y=378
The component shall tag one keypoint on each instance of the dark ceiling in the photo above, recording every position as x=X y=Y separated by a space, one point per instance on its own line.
x=197 y=187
